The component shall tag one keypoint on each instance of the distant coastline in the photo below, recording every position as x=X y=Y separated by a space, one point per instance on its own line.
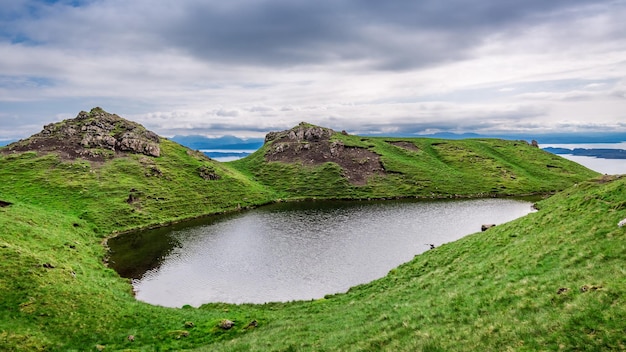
x=597 y=153
x=225 y=154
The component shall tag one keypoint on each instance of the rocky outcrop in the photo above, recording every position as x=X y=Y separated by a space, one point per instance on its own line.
x=302 y=132
x=208 y=173
x=95 y=135
x=226 y=324
x=313 y=145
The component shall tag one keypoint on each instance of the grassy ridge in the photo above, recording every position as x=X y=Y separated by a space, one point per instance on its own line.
x=58 y=295
x=439 y=168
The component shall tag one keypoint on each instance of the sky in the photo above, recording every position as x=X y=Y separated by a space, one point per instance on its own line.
x=247 y=67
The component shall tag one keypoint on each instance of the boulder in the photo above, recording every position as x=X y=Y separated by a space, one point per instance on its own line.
x=486 y=227
x=226 y=324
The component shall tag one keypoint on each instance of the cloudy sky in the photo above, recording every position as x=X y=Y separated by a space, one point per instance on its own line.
x=246 y=67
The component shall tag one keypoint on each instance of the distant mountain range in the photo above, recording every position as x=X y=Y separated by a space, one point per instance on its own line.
x=232 y=142
x=235 y=146
x=541 y=138
x=224 y=142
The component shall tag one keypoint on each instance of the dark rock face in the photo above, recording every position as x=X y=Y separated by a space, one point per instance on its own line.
x=93 y=135
x=313 y=145
x=486 y=227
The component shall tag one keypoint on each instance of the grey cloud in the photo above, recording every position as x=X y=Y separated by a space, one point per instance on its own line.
x=216 y=129
x=260 y=109
x=227 y=113
x=384 y=34
x=241 y=61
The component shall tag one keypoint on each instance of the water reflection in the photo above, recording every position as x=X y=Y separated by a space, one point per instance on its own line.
x=292 y=251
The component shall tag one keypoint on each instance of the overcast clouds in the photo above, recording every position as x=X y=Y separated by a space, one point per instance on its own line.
x=246 y=67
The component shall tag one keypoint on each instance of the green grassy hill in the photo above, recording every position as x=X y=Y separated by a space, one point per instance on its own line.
x=408 y=167
x=553 y=280
x=517 y=286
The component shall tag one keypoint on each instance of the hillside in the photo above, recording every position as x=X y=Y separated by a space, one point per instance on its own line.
x=312 y=161
x=115 y=174
x=547 y=281
x=552 y=280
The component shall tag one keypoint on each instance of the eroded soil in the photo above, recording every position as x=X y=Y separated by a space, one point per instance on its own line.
x=311 y=145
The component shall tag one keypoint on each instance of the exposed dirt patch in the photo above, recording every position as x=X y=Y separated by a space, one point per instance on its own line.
x=607 y=178
x=311 y=145
x=405 y=145
x=4 y=204
x=94 y=136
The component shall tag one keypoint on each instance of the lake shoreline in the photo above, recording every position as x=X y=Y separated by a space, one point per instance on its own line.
x=394 y=230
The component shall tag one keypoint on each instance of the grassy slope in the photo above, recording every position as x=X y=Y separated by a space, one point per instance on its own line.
x=62 y=211
x=166 y=189
x=495 y=290
x=441 y=168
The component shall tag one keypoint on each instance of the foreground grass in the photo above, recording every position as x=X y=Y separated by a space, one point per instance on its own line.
x=551 y=280
x=489 y=291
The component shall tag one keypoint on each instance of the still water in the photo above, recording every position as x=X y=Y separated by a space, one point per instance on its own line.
x=601 y=165
x=294 y=251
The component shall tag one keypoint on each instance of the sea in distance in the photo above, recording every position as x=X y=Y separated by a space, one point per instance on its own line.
x=601 y=165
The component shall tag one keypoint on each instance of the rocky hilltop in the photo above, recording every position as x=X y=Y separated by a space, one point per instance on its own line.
x=96 y=135
x=312 y=145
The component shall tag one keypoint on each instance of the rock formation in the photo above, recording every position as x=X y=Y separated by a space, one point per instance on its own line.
x=313 y=145
x=95 y=135
x=302 y=132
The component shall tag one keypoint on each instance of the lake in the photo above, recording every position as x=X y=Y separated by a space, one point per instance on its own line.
x=294 y=251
